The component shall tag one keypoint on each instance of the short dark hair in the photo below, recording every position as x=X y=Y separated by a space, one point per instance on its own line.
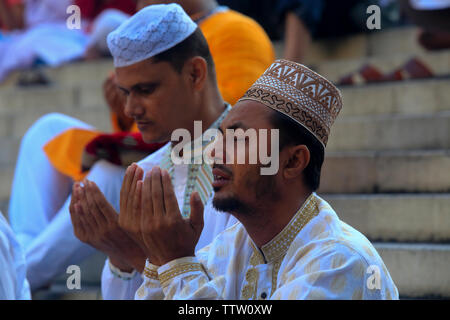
x=192 y=46
x=292 y=133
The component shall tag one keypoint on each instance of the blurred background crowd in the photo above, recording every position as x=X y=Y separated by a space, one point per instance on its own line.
x=34 y=33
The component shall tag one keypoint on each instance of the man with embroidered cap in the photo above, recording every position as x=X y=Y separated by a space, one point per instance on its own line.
x=58 y=150
x=289 y=243
x=166 y=71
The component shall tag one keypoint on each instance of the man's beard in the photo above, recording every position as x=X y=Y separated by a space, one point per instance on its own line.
x=231 y=204
x=263 y=188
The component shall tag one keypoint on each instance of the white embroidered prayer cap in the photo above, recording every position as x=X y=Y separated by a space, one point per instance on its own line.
x=150 y=31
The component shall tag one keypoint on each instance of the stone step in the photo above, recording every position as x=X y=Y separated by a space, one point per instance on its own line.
x=391 y=132
x=359 y=133
x=72 y=74
x=6 y=178
x=404 y=97
x=14 y=126
x=418 y=270
x=396 y=217
x=372 y=44
x=58 y=98
x=438 y=62
x=375 y=43
x=407 y=97
x=386 y=172
x=10 y=149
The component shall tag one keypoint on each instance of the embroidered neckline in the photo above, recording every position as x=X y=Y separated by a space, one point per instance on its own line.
x=274 y=251
x=199 y=175
x=278 y=246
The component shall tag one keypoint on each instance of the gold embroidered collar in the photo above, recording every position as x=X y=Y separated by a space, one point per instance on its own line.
x=278 y=246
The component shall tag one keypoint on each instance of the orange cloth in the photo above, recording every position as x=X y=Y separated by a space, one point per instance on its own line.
x=65 y=150
x=241 y=50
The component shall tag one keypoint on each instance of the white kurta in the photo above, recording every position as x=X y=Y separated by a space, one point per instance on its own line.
x=13 y=282
x=117 y=288
x=117 y=285
x=316 y=256
x=40 y=198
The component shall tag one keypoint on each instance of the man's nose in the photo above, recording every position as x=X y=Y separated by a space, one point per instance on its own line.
x=218 y=154
x=133 y=108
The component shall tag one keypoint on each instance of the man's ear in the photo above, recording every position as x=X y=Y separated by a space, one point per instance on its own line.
x=297 y=159
x=197 y=69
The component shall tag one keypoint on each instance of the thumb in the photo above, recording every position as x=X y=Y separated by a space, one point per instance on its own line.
x=196 y=218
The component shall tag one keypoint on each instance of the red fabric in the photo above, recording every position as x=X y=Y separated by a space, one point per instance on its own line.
x=13 y=2
x=10 y=3
x=92 y=8
x=121 y=148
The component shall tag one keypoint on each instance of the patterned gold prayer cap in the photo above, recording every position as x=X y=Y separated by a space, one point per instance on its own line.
x=300 y=93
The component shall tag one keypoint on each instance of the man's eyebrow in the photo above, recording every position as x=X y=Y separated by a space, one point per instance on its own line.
x=139 y=85
x=144 y=85
x=123 y=89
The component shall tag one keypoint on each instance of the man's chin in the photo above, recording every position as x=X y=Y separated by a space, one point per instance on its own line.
x=151 y=138
x=229 y=204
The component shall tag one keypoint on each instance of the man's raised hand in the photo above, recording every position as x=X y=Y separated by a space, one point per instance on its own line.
x=166 y=234
x=95 y=222
x=130 y=203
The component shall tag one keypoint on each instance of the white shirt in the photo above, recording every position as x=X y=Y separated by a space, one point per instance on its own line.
x=118 y=285
x=13 y=282
x=316 y=256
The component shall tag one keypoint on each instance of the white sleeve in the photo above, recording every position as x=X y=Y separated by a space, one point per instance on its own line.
x=119 y=287
x=13 y=282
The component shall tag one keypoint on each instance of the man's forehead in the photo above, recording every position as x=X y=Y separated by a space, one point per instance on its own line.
x=143 y=71
x=248 y=114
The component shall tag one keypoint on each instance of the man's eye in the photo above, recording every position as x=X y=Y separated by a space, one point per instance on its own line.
x=146 y=90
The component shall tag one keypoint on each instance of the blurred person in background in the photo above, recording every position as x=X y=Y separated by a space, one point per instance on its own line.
x=51 y=152
x=433 y=16
x=45 y=39
x=102 y=17
x=298 y=22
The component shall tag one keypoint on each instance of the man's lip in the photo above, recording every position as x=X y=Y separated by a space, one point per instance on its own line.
x=143 y=122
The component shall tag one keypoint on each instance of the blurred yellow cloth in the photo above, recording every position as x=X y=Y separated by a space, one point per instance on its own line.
x=241 y=50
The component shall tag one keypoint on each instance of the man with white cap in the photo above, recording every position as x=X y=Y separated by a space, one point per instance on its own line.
x=289 y=243
x=165 y=69
x=43 y=178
